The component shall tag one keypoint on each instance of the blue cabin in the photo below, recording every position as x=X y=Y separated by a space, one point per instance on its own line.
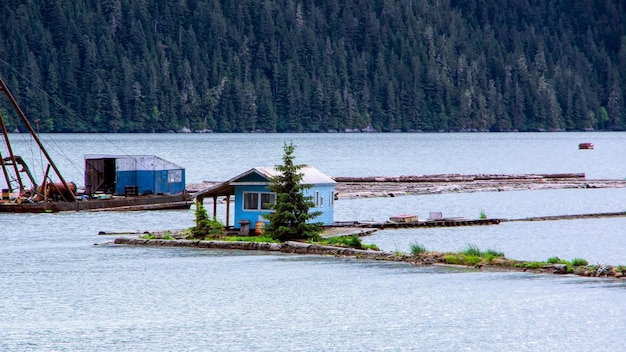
x=251 y=191
x=132 y=175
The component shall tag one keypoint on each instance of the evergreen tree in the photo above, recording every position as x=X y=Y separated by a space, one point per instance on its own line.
x=205 y=226
x=290 y=219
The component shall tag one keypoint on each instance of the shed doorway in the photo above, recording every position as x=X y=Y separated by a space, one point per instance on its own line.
x=100 y=176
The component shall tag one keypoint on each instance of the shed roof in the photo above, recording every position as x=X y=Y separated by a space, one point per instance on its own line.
x=150 y=161
x=262 y=175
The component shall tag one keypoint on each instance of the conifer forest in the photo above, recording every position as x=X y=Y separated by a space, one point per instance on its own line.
x=315 y=66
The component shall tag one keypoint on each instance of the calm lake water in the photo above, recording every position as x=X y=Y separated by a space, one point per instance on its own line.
x=60 y=292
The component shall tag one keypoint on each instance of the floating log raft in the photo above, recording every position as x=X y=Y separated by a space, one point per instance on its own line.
x=458 y=177
x=394 y=186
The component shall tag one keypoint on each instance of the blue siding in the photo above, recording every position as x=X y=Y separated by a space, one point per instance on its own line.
x=147 y=181
x=325 y=192
x=124 y=178
x=250 y=215
x=163 y=183
x=325 y=203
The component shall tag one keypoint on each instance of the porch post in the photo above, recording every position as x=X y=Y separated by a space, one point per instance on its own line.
x=227 y=209
x=214 y=206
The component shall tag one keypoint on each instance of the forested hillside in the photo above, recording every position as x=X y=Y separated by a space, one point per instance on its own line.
x=292 y=65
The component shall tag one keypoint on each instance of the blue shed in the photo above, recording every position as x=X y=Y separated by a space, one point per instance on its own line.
x=137 y=174
x=251 y=191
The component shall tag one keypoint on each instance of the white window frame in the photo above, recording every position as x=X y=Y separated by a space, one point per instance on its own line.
x=331 y=199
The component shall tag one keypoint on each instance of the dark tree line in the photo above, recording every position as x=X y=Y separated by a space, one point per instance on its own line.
x=289 y=65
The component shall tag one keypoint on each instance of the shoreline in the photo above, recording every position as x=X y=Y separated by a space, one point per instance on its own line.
x=423 y=259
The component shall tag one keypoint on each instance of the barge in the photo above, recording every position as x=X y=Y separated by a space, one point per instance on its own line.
x=112 y=182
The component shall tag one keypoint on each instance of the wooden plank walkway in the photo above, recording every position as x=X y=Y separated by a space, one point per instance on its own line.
x=414 y=224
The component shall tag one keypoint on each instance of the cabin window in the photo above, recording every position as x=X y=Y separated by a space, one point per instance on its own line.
x=250 y=201
x=267 y=199
x=331 y=200
x=317 y=199
x=258 y=200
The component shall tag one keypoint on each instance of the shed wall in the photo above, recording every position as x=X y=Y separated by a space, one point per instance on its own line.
x=156 y=182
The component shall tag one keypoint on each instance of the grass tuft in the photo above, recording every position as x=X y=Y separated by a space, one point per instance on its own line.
x=451 y=259
x=147 y=236
x=418 y=248
x=533 y=265
x=353 y=241
x=471 y=260
x=579 y=262
x=557 y=260
x=472 y=250
x=493 y=253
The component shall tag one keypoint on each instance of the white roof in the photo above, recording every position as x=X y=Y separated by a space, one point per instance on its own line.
x=310 y=175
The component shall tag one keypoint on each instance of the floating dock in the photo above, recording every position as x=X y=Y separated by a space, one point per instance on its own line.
x=454 y=222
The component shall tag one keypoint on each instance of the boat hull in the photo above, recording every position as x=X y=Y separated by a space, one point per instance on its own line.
x=148 y=202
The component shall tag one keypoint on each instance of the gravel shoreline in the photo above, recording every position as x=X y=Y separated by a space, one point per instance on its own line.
x=424 y=259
